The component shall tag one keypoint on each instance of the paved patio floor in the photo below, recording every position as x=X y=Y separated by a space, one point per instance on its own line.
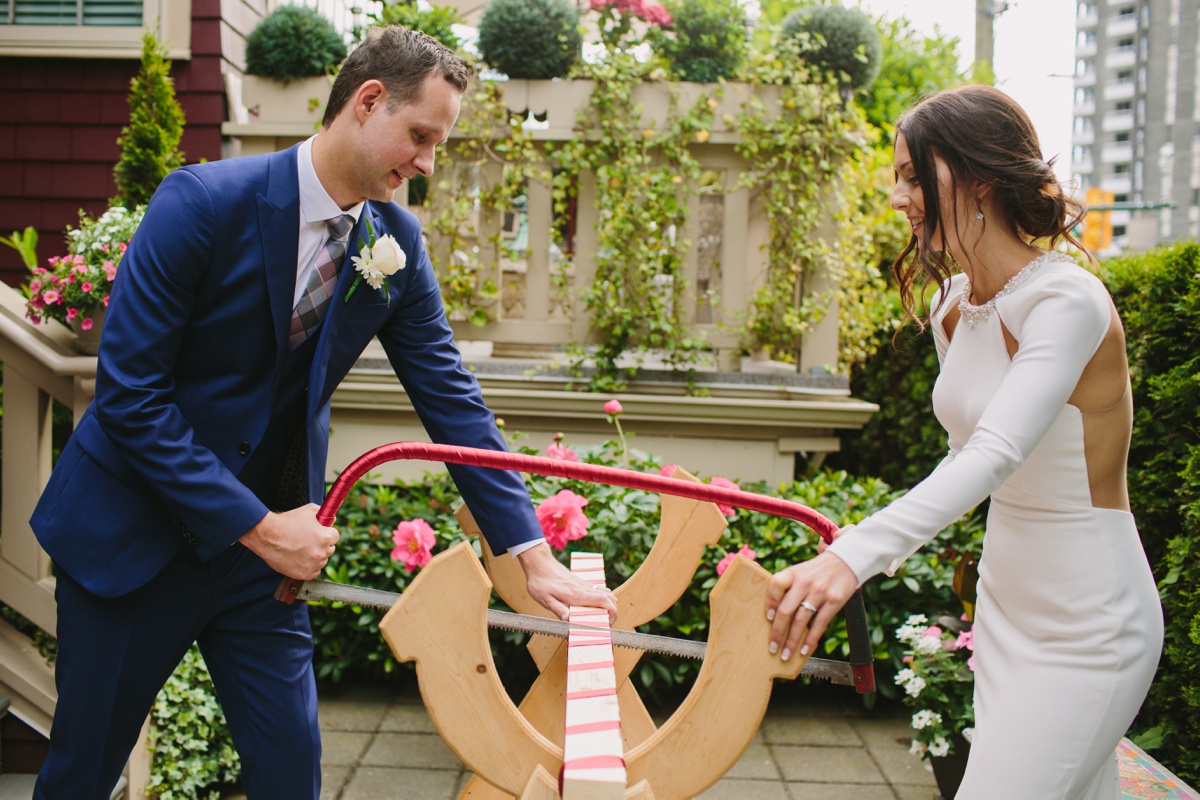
x=815 y=743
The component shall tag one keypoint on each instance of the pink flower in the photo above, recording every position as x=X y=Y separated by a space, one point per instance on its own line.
x=123 y=246
x=965 y=639
x=971 y=663
x=110 y=270
x=51 y=297
x=35 y=287
x=414 y=544
x=72 y=313
x=933 y=632
x=657 y=15
x=728 y=559
x=612 y=407
x=668 y=470
x=560 y=451
x=86 y=323
x=85 y=287
x=562 y=518
x=724 y=483
x=81 y=269
x=106 y=301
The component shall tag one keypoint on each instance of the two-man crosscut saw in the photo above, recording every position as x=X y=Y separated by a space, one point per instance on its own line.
x=860 y=666
x=840 y=672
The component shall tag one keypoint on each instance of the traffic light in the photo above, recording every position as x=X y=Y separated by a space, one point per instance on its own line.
x=1097 y=226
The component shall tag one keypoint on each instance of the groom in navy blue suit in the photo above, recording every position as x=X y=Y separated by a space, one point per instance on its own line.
x=188 y=487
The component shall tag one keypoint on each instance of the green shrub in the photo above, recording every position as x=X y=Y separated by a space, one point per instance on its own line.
x=1158 y=297
x=192 y=753
x=903 y=441
x=437 y=21
x=293 y=42
x=706 y=41
x=530 y=38
x=842 y=41
x=623 y=524
x=150 y=142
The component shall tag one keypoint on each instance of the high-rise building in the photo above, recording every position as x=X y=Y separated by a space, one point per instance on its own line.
x=1137 y=117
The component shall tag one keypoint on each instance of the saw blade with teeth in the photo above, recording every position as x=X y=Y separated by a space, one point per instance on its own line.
x=839 y=672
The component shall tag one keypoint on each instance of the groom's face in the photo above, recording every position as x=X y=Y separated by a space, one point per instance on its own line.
x=399 y=140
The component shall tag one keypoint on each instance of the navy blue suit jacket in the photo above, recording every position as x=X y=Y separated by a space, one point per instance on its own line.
x=195 y=331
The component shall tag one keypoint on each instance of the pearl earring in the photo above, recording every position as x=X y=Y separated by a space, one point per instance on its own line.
x=978 y=215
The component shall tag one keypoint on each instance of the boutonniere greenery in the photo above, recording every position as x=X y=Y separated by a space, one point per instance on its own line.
x=376 y=260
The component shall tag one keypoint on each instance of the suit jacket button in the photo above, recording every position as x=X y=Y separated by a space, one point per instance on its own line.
x=244 y=449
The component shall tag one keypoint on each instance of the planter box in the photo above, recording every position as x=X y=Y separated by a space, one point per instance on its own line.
x=558 y=102
x=299 y=102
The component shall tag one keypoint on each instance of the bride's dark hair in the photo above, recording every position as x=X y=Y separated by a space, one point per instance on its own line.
x=985 y=138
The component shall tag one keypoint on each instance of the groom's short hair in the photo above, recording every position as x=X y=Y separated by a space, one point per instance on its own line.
x=401 y=59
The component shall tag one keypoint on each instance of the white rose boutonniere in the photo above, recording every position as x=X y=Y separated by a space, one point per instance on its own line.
x=376 y=261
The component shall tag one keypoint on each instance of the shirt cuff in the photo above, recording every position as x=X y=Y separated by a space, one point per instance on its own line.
x=517 y=549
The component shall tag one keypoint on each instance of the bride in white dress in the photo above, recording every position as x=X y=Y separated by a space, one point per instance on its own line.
x=1034 y=394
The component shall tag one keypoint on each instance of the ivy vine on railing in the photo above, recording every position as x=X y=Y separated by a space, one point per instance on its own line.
x=491 y=142
x=644 y=177
x=808 y=155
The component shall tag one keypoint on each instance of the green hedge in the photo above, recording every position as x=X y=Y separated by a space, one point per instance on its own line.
x=1158 y=297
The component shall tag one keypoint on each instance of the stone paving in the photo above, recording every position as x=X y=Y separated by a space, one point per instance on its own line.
x=816 y=743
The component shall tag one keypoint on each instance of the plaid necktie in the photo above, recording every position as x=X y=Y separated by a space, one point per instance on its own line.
x=317 y=293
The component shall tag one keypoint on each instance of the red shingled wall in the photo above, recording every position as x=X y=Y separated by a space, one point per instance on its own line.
x=59 y=123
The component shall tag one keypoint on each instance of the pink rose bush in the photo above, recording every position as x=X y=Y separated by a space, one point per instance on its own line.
x=617 y=16
x=559 y=450
x=75 y=287
x=938 y=682
x=414 y=542
x=743 y=551
x=562 y=518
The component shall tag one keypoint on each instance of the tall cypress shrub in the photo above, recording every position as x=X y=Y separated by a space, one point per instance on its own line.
x=150 y=142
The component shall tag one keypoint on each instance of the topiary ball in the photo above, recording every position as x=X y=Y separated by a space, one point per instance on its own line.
x=852 y=46
x=293 y=42
x=530 y=38
x=706 y=41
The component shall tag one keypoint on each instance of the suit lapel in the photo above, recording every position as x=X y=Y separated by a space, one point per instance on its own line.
x=339 y=307
x=279 y=224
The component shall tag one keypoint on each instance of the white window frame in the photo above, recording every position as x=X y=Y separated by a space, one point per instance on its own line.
x=174 y=18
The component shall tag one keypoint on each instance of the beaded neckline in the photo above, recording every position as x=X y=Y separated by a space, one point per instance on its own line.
x=973 y=315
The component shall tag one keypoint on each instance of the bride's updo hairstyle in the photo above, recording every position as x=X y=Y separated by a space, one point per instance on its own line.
x=985 y=138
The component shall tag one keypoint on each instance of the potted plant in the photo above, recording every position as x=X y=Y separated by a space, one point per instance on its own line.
x=290 y=55
x=939 y=683
x=73 y=289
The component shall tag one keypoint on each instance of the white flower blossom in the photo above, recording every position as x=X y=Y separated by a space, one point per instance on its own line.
x=904 y=676
x=912 y=628
x=915 y=686
x=378 y=261
x=968 y=734
x=927 y=644
x=924 y=718
x=917 y=748
x=940 y=747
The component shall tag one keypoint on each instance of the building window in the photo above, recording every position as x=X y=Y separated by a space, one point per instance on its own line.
x=1120 y=198
x=1084 y=125
x=126 y=13
x=1118 y=230
x=1125 y=13
x=1085 y=94
x=1122 y=137
x=1125 y=75
x=1124 y=106
x=1120 y=169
